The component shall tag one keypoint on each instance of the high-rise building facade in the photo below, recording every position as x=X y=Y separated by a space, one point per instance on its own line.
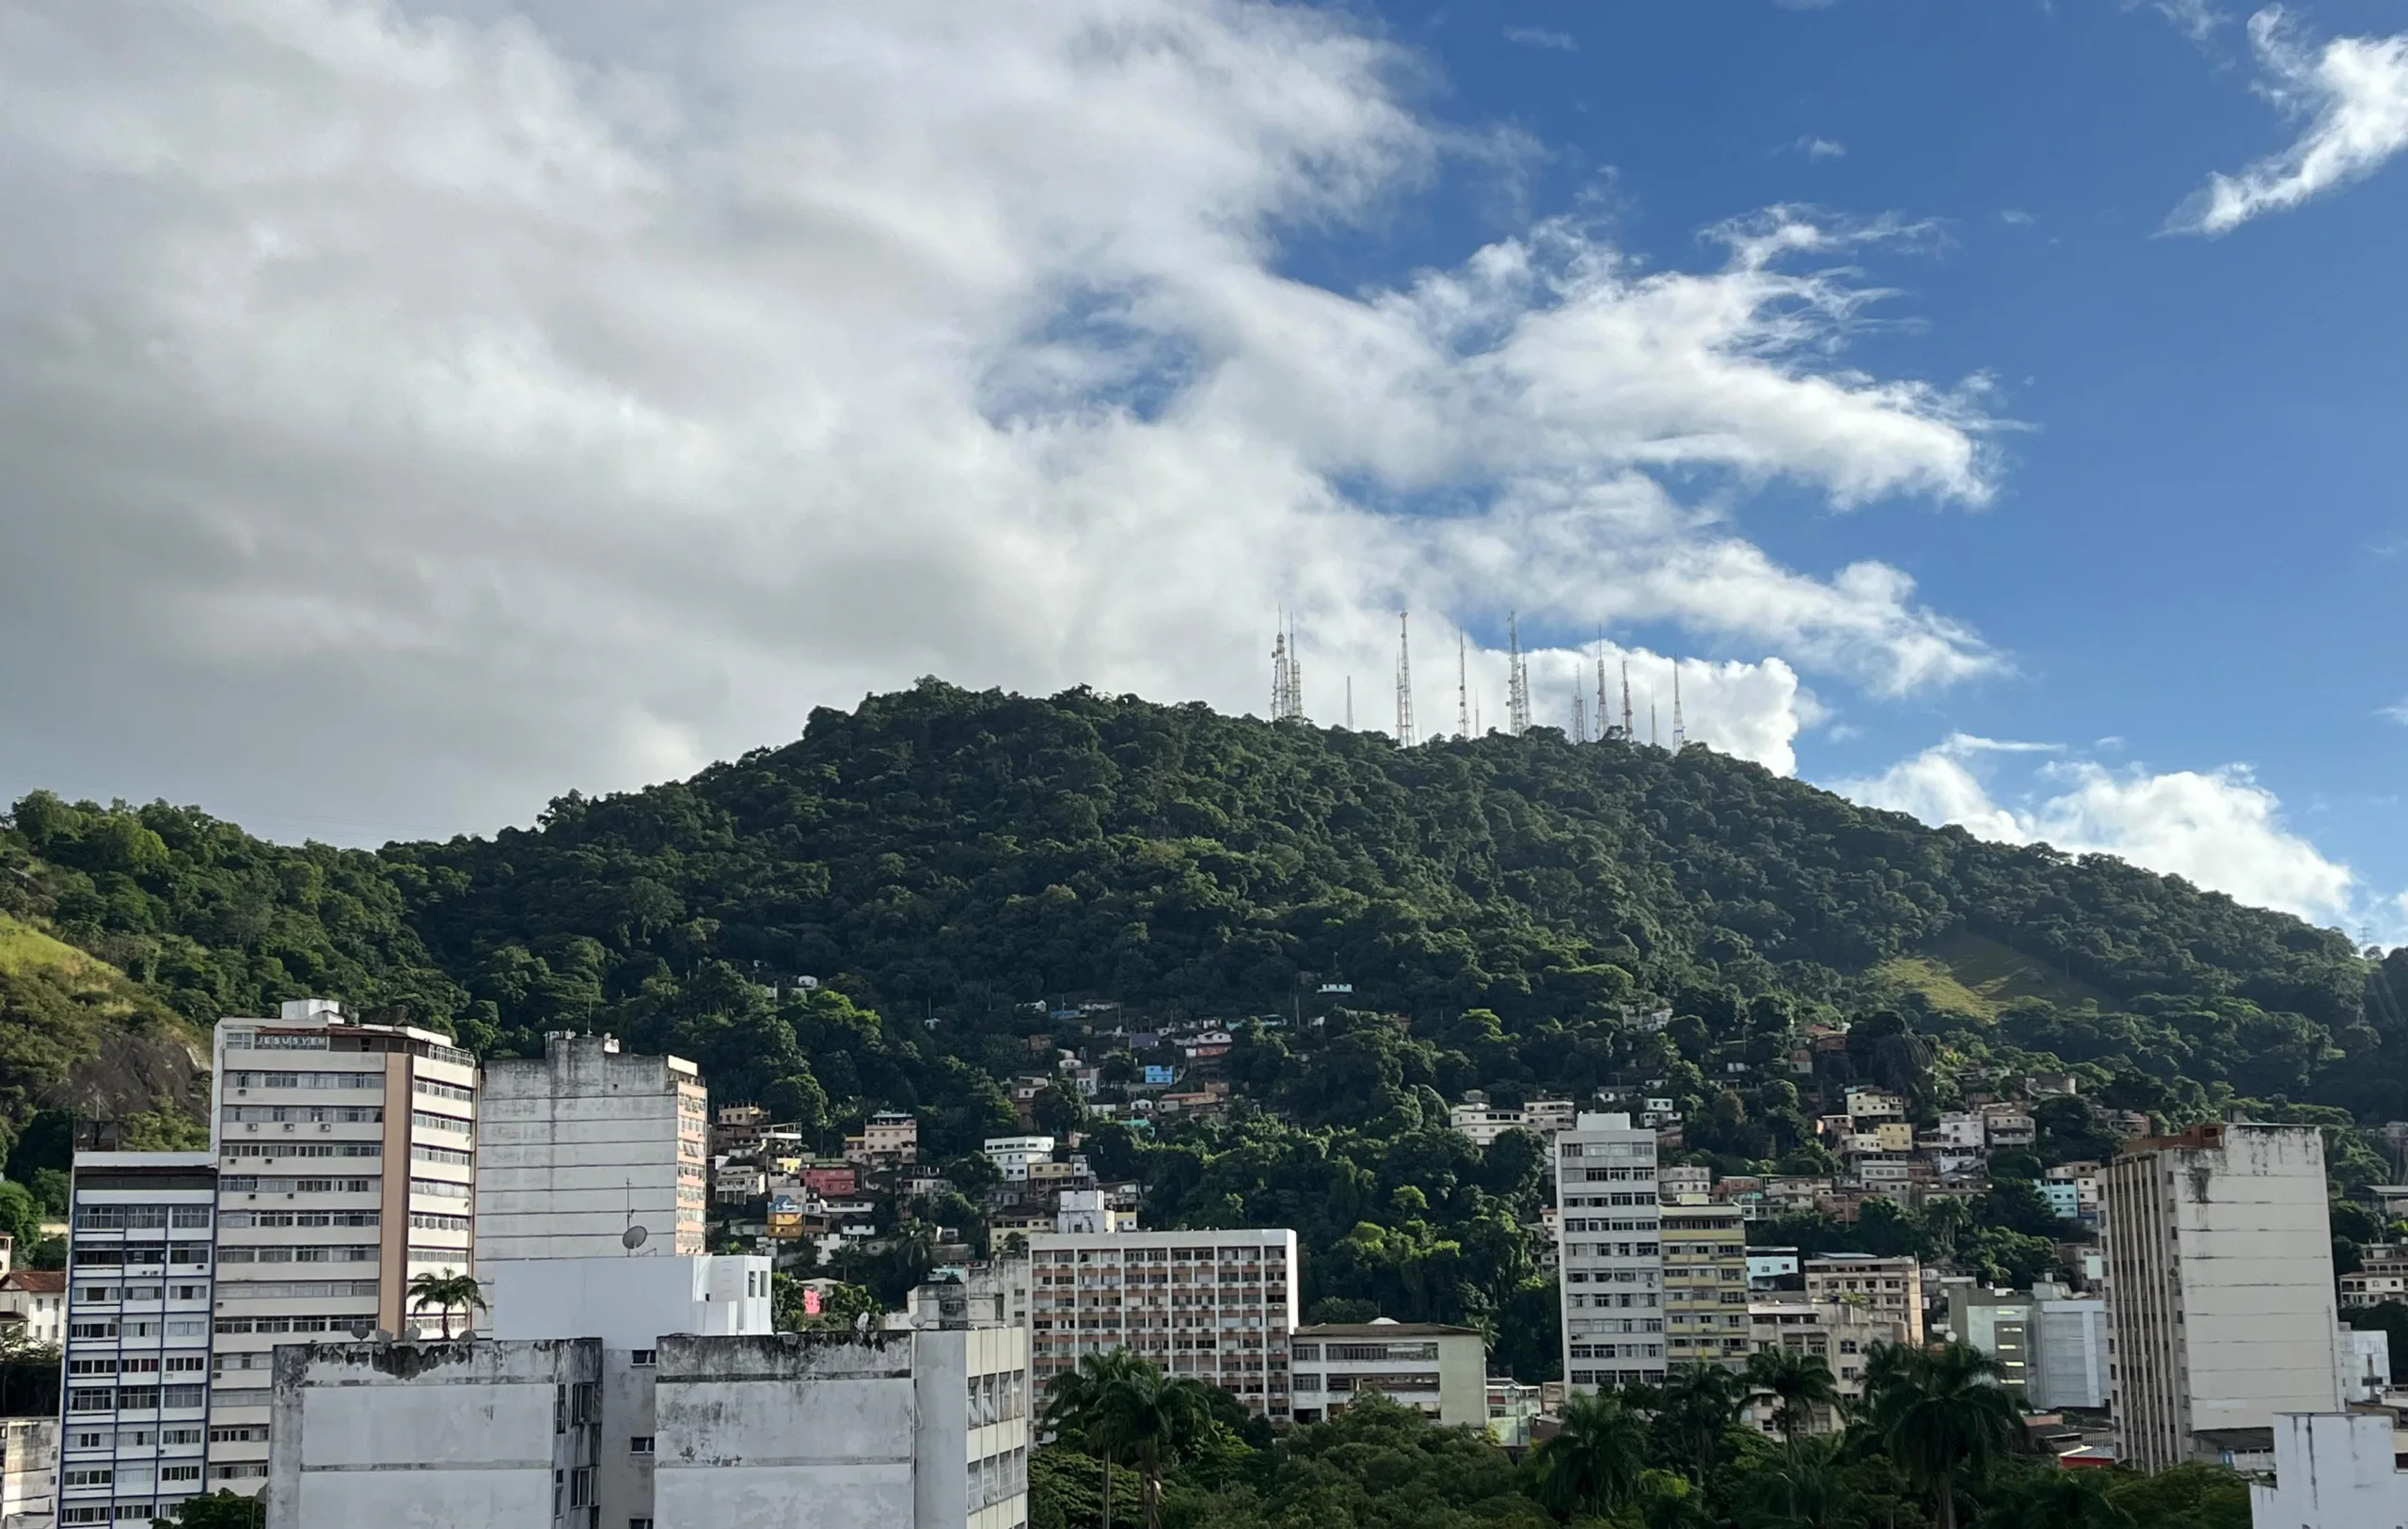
x=346 y=1168
x=1706 y=1284
x=135 y=1419
x=1611 y=1260
x=1218 y=1305
x=577 y=1149
x=2220 y=1297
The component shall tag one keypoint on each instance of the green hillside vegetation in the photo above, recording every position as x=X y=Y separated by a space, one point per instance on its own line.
x=944 y=860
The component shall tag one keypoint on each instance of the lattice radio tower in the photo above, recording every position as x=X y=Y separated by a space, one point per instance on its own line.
x=1605 y=718
x=1680 y=734
x=1287 y=674
x=1517 y=682
x=1463 y=689
x=1403 y=684
x=1627 y=735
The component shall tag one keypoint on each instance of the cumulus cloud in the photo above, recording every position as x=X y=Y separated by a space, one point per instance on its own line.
x=1814 y=148
x=2219 y=828
x=436 y=410
x=2354 y=92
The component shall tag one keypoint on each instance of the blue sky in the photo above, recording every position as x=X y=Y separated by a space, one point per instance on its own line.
x=1985 y=405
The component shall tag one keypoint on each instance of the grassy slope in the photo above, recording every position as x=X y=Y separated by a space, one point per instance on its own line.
x=1972 y=975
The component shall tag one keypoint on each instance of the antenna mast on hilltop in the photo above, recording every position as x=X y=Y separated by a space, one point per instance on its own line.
x=1605 y=723
x=1350 y=703
x=1286 y=674
x=1580 y=714
x=1680 y=734
x=1627 y=735
x=1463 y=689
x=1403 y=684
x=1517 y=680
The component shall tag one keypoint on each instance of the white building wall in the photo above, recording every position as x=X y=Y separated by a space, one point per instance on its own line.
x=28 y=1473
x=141 y=1286
x=2332 y=1470
x=434 y=1435
x=1611 y=1261
x=576 y=1148
x=1441 y=1372
x=877 y=1430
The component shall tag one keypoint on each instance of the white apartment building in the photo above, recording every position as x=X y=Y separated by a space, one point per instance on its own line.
x=28 y=1473
x=1480 y=1122
x=579 y=1149
x=2219 y=1285
x=1439 y=1371
x=1091 y=1211
x=142 y=1283
x=1217 y=1305
x=39 y=1297
x=344 y=1154
x=1611 y=1257
x=1012 y=1154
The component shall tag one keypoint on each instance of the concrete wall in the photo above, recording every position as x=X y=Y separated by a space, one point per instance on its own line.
x=423 y=1436
x=766 y=1433
x=2069 y=1355
x=838 y=1430
x=574 y=1149
x=2332 y=1470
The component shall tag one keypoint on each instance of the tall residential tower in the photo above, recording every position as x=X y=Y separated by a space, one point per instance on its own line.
x=580 y=1148
x=1610 y=1222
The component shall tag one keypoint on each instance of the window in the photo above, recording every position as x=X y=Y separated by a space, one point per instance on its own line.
x=580 y=1486
x=639 y=1444
x=644 y=1358
x=86 y=1478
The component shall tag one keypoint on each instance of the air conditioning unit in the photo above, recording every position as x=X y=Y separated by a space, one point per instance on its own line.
x=252 y=1128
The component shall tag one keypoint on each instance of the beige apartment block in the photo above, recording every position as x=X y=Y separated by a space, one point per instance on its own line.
x=1891 y=1288
x=1439 y=1371
x=1705 y=1285
x=345 y=1167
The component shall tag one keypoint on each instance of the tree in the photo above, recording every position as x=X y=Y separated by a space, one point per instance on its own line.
x=1076 y=1404
x=447 y=1293
x=1797 y=1383
x=1152 y=1421
x=1693 y=1408
x=1938 y=1411
x=2049 y=1497
x=219 y=1510
x=1594 y=1463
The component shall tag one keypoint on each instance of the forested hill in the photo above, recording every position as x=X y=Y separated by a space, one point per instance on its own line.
x=941 y=855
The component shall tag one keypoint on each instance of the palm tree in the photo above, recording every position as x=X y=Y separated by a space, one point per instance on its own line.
x=1592 y=1463
x=1796 y=1382
x=447 y=1293
x=1152 y=1420
x=2051 y=1498
x=1076 y=1404
x=1810 y=1491
x=1693 y=1408
x=1934 y=1410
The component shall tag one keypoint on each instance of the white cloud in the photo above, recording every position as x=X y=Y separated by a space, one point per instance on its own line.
x=1534 y=37
x=1814 y=148
x=436 y=412
x=2195 y=18
x=2354 y=94
x=2219 y=828
x=2397 y=711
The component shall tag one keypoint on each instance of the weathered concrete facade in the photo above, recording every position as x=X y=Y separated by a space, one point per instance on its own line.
x=576 y=1148
x=872 y=1430
x=472 y=1434
x=2332 y=1470
x=2220 y=1294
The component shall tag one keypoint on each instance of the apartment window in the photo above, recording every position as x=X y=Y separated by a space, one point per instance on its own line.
x=643 y=1358
x=580 y=1486
x=639 y=1444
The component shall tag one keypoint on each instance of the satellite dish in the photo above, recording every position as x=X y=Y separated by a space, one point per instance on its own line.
x=362 y=1327
x=633 y=1239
